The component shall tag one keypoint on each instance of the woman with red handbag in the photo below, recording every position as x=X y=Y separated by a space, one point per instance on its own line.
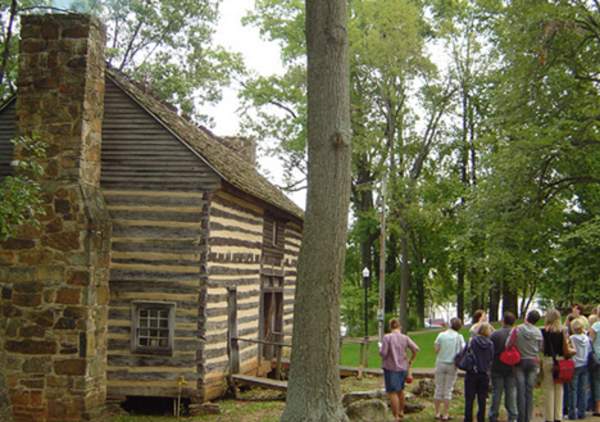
x=556 y=346
x=529 y=341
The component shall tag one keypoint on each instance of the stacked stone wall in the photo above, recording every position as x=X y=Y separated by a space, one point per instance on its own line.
x=54 y=279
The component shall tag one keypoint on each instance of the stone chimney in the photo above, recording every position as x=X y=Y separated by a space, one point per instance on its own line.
x=54 y=280
x=244 y=147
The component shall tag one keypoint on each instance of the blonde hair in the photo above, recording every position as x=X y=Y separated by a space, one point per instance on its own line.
x=577 y=326
x=552 y=321
x=593 y=319
x=485 y=329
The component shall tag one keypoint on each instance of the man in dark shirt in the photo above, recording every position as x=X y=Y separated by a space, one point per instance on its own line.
x=503 y=379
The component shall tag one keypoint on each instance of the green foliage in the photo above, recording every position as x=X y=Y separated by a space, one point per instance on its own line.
x=544 y=150
x=169 y=45
x=492 y=159
x=166 y=44
x=20 y=195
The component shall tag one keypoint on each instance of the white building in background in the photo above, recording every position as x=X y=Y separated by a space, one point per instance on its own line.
x=441 y=314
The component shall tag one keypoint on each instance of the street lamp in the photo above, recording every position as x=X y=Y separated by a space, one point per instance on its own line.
x=366 y=283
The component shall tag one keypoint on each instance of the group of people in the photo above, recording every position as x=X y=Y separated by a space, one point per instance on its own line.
x=570 y=389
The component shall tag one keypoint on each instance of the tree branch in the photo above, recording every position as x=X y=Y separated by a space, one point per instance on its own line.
x=7 y=39
x=295 y=186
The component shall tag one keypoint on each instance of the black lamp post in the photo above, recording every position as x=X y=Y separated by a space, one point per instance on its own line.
x=366 y=283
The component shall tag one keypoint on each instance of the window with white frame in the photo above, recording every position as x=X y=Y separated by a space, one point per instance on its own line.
x=153 y=327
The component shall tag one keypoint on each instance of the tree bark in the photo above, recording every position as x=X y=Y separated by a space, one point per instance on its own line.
x=314 y=393
x=404 y=280
x=494 y=302
x=362 y=198
x=390 y=268
x=509 y=300
x=420 y=282
x=7 y=39
x=475 y=291
x=460 y=290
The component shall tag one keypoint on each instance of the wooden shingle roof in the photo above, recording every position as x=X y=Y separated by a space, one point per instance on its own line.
x=233 y=169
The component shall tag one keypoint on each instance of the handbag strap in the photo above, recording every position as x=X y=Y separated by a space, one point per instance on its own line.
x=554 y=354
x=512 y=340
x=551 y=345
x=457 y=348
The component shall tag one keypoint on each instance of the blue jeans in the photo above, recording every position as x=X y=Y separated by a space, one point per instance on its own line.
x=476 y=385
x=591 y=404
x=595 y=380
x=507 y=384
x=526 y=374
x=566 y=398
x=578 y=391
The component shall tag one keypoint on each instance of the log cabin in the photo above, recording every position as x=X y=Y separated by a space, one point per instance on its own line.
x=198 y=235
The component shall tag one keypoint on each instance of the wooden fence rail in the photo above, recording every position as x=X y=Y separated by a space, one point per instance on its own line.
x=234 y=358
x=234 y=355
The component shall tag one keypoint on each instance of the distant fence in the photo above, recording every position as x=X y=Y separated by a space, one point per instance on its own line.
x=364 y=350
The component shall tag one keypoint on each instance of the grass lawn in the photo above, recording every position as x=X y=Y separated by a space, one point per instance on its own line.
x=425 y=358
x=423 y=338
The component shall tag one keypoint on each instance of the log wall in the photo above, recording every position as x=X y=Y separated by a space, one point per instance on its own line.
x=293 y=239
x=157 y=248
x=235 y=248
x=157 y=191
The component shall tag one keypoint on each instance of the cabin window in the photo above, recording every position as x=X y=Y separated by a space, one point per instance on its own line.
x=153 y=327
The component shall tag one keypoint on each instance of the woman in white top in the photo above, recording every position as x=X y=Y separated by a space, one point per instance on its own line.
x=447 y=345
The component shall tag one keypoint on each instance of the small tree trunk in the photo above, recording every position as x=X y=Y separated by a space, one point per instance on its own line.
x=509 y=300
x=390 y=268
x=494 y=302
x=460 y=290
x=364 y=204
x=404 y=281
x=420 y=283
x=314 y=387
x=7 y=40
x=476 y=297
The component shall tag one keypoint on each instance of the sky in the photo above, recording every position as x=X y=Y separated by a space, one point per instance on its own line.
x=260 y=56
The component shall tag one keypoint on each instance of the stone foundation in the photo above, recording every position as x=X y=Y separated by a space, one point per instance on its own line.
x=54 y=280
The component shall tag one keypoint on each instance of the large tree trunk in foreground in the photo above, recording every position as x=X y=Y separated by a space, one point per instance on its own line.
x=314 y=389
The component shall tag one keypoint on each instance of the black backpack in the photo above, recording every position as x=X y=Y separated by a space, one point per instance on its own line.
x=466 y=360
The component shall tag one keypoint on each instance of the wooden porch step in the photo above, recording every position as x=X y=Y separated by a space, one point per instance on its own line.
x=260 y=382
x=350 y=371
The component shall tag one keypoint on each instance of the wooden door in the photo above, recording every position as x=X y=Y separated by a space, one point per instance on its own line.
x=271 y=316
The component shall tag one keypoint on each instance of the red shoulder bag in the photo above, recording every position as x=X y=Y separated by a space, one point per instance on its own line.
x=510 y=355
